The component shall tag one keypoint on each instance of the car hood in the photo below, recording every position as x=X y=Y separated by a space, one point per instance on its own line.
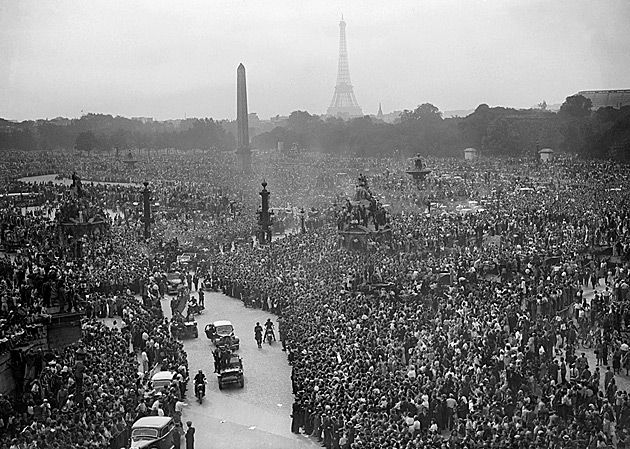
x=141 y=444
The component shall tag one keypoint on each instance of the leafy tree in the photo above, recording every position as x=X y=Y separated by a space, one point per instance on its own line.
x=576 y=106
x=425 y=112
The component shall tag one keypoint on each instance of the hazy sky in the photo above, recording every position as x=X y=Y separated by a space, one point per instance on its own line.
x=168 y=59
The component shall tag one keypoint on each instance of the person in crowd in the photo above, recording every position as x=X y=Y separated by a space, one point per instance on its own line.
x=190 y=435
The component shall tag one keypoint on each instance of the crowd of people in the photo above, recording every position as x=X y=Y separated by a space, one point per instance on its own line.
x=88 y=393
x=467 y=328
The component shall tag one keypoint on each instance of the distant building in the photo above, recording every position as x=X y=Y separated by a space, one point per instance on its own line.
x=457 y=113
x=176 y=124
x=279 y=120
x=470 y=154
x=391 y=117
x=60 y=121
x=143 y=120
x=604 y=98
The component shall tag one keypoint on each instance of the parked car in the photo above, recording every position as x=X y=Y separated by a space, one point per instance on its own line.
x=221 y=333
x=153 y=432
x=232 y=373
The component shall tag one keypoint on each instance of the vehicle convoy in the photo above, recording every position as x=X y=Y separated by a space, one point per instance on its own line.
x=153 y=432
x=221 y=333
x=232 y=372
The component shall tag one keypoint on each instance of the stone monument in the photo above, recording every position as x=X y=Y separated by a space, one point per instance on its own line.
x=243 y=151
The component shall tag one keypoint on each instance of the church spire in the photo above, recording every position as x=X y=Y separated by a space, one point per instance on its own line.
x=379 y=114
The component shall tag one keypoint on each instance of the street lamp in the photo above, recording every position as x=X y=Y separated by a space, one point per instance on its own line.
x=302 y=218
x=147 y=210
x=264 y=216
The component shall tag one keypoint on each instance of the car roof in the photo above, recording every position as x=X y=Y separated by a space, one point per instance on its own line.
x=152 y=421
x=162 y=375
x=222 y=323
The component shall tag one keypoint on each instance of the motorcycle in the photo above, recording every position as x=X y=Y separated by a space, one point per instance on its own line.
x=269 y=337
x=200 y=391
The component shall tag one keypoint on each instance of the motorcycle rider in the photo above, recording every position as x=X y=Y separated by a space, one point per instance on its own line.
x=269 y=329
x=200 y=379
x=258 y=334
x=193 y=306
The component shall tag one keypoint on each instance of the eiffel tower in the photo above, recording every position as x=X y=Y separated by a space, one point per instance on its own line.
x=344 y=104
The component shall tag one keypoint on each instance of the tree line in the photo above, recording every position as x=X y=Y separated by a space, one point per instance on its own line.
x=100 y=132
x=497 y=131
x=500 y=131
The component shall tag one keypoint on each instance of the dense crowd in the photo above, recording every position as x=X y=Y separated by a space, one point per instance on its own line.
x=465 y=328
x=88 y=393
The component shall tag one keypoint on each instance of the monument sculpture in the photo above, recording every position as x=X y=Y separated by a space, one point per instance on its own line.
x=363 y=221
x=419 y=170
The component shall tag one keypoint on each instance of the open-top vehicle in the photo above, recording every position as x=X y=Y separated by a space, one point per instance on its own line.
x=185 y=329
x=222 y=335
x=232 y=373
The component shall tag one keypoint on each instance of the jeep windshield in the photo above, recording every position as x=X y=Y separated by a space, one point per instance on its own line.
x=224 y=330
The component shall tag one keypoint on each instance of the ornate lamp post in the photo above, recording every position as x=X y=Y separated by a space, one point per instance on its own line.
x=264 y=216
x=146 y=194
x=302 y=218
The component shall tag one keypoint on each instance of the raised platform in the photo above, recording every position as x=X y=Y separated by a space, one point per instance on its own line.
x=419 y=174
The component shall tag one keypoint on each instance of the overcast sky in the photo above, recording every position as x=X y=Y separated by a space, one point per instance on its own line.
x=170 y=59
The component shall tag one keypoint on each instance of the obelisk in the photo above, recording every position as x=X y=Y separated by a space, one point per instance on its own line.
x=243 y=151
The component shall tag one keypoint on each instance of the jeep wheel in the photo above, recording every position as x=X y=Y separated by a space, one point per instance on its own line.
x=220 y=386
x=242 y=383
